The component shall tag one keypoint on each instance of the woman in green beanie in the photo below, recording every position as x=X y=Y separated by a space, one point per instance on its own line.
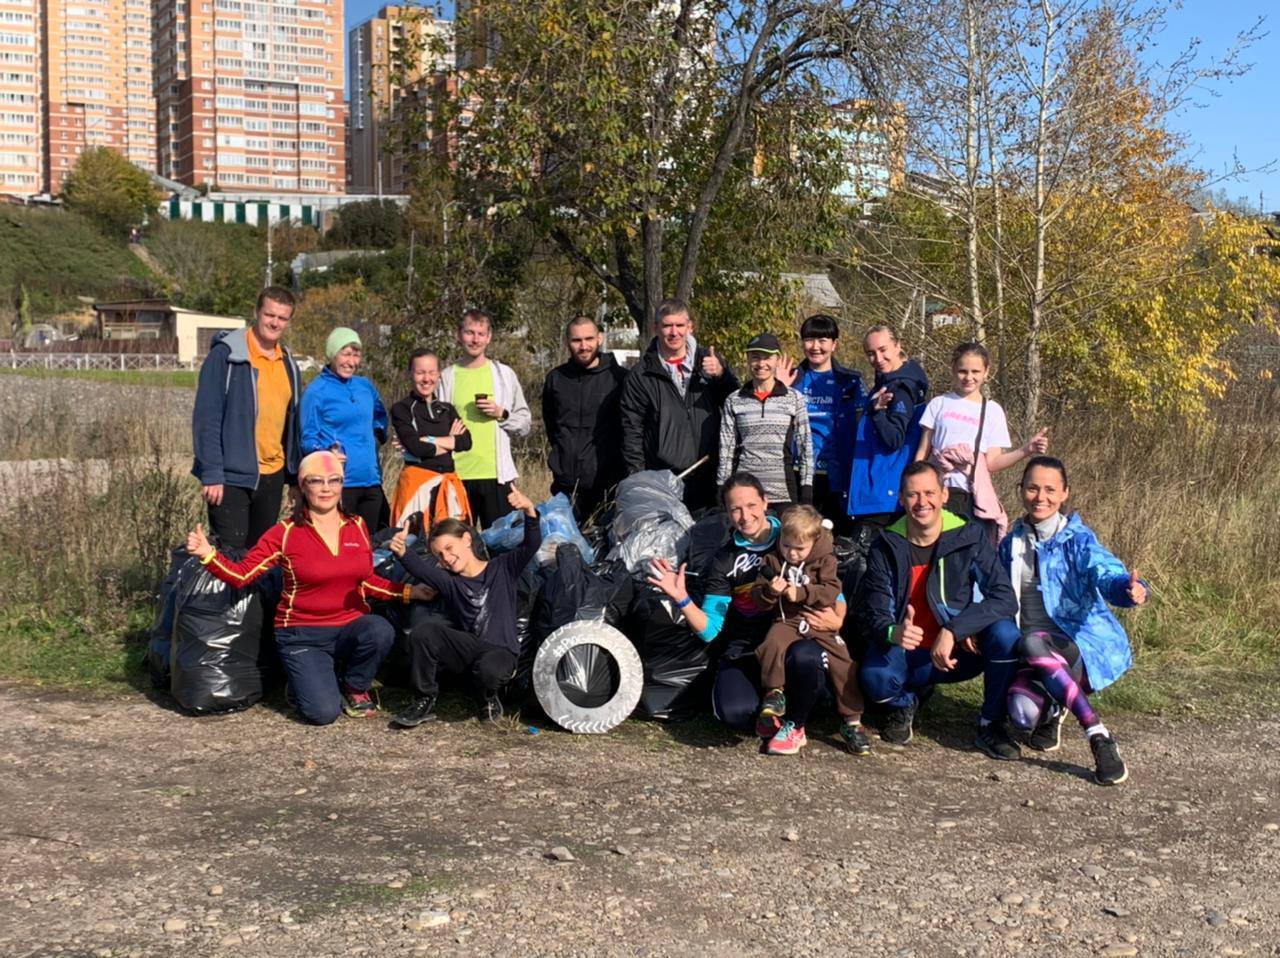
x=342 y=412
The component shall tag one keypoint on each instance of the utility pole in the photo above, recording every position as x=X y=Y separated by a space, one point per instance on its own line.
x=267 y=282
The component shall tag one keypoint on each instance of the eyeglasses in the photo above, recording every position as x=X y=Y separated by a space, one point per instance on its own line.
x=315 y=482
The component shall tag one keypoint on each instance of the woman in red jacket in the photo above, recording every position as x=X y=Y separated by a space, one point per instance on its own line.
x=323 y=623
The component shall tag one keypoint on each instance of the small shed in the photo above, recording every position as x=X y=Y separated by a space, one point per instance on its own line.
x=195 y=331
x=157 y=319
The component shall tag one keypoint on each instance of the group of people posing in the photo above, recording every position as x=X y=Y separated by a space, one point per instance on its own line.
x=945 y=590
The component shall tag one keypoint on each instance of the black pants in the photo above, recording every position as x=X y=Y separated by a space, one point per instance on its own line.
x=737 y=693
x=831 y=503
x=239 y=521
x=369 y=503
x=488 y=498
x=434 y=646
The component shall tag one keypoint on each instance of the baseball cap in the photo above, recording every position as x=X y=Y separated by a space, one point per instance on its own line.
x=764 y=343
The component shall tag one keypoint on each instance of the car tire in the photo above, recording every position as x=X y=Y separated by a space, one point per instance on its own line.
x=587 y=662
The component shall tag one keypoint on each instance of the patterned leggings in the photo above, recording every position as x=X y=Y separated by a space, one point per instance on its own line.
x=1051 y=672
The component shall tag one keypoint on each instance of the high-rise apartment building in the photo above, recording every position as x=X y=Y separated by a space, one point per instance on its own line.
x=249 y=95
x=393 y=57
x=97 y=82
x=20 y=85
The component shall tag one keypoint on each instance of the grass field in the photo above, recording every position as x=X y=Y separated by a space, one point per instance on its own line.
x=185 y=378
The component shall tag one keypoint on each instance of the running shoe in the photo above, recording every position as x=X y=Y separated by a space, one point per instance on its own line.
x=855 y=738
x=772 y=709
x=788 y=740
x=357 y=703
x=994 y=741
x=1047 y=736
x=896 y=728
x=1110 y=769
x=419 y=711
x=491 y=709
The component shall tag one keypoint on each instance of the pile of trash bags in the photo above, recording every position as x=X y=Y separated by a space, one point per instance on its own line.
x=212 y=649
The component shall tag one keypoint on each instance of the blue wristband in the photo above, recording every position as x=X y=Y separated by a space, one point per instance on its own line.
x=687 y=600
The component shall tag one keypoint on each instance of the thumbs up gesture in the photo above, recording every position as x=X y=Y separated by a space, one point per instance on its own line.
x=909 y=634
x=1038 y=444
x=197 y=543
x=712 y=367
x=1137 y=592
x=400 y=541
x=518 y=500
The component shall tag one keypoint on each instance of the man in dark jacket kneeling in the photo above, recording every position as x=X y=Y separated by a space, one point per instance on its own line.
x=940 y=608
x=580 y=414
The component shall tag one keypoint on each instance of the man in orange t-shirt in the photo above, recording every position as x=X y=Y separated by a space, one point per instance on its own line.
x=245 y=423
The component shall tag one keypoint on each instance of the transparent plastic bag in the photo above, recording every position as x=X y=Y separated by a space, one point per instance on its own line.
x=558 y=525
x=651 y=521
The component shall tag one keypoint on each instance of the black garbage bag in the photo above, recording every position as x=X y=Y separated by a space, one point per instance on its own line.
x=529 y=598
x=216 y=656
x=162 y=632
x=677 y=663
x=706 y=537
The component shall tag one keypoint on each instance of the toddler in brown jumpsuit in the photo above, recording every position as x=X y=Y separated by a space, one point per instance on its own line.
x=802 y=575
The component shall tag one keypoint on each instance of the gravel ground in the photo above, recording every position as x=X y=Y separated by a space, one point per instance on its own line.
x=131 y=830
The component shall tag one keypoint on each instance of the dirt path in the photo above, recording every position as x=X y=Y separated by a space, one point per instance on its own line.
x=128 y=829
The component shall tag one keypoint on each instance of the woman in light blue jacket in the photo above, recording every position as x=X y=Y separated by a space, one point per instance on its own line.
x=343 y=414
x=1064 y=578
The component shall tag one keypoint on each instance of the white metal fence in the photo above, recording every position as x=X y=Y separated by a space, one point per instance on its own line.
x=116 y=361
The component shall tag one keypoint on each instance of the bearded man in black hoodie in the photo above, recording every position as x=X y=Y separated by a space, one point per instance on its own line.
x=580 y=414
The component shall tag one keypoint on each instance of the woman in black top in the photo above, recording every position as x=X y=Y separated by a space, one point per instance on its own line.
x=430 y=432
x=481 y=598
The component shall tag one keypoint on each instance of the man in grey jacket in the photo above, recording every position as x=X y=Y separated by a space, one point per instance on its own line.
x=490 y=402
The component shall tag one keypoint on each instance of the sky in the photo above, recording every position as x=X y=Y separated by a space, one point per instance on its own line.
x=1233 y=118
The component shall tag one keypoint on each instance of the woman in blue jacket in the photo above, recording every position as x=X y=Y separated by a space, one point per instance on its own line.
x=1064 y=578
x=342 y=412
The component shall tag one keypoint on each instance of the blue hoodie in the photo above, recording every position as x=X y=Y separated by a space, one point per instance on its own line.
x=349 y=413
x=1078 y=577
x=226 y=411
x=886 y=441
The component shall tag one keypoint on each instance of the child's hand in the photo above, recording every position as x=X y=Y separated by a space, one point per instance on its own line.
x=1137 y=592
x=778 y=586
x=197 y=544
x=518 y=500
x=1038 y=444
x=793 y=593
x=400 y=541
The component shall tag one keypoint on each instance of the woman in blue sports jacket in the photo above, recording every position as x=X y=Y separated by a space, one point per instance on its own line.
x=1071 y=642
x=342 y=413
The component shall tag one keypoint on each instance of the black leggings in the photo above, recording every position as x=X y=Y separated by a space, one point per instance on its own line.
x=737 y=695
x=369 y=503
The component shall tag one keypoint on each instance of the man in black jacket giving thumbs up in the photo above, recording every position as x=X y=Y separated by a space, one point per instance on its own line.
x=940 y=609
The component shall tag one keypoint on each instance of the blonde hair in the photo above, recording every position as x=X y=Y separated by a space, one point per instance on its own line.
x=803 y=523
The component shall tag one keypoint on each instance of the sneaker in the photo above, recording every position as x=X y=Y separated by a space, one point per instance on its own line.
x=994 y=741
x=1047 y=736
x=358 y=704
x=1111 y=769
x=896 y=729
x=421 y=710
x=772 y=709
x=855 y=738
x=788 y=740
x=491 y=709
